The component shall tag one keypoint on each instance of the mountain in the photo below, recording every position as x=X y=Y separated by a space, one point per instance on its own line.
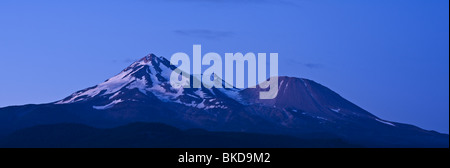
x=142 y=93
x=304 y=106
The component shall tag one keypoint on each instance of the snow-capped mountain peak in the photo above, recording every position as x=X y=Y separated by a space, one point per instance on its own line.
x=150 y=75
x=144 y=74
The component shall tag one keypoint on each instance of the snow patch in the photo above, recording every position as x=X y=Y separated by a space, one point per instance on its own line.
x=140 y=84
x=232 y=93
x=115 y=94
x=192 y=104
x=322 y=118
x=385 y=122
x=200 y=93
x=216 y=107
x=281 y=84
x=335 y=110
x=165 y=71
x=201 y=105
x=304 y=83
x=110 y=105
x=165 y=95
x=110 y=86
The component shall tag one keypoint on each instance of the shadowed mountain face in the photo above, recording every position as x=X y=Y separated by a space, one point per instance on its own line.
x=303 y=95
x=142 y=93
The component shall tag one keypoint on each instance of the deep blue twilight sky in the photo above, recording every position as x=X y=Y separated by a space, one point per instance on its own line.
x=390 y=57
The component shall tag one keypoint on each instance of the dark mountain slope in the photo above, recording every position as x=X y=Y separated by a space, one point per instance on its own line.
x=152 y=135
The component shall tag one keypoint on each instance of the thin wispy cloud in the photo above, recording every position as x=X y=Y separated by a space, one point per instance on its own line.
x=204 y=33
x=313 y=65
x=307 y=65
x=126 y=60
